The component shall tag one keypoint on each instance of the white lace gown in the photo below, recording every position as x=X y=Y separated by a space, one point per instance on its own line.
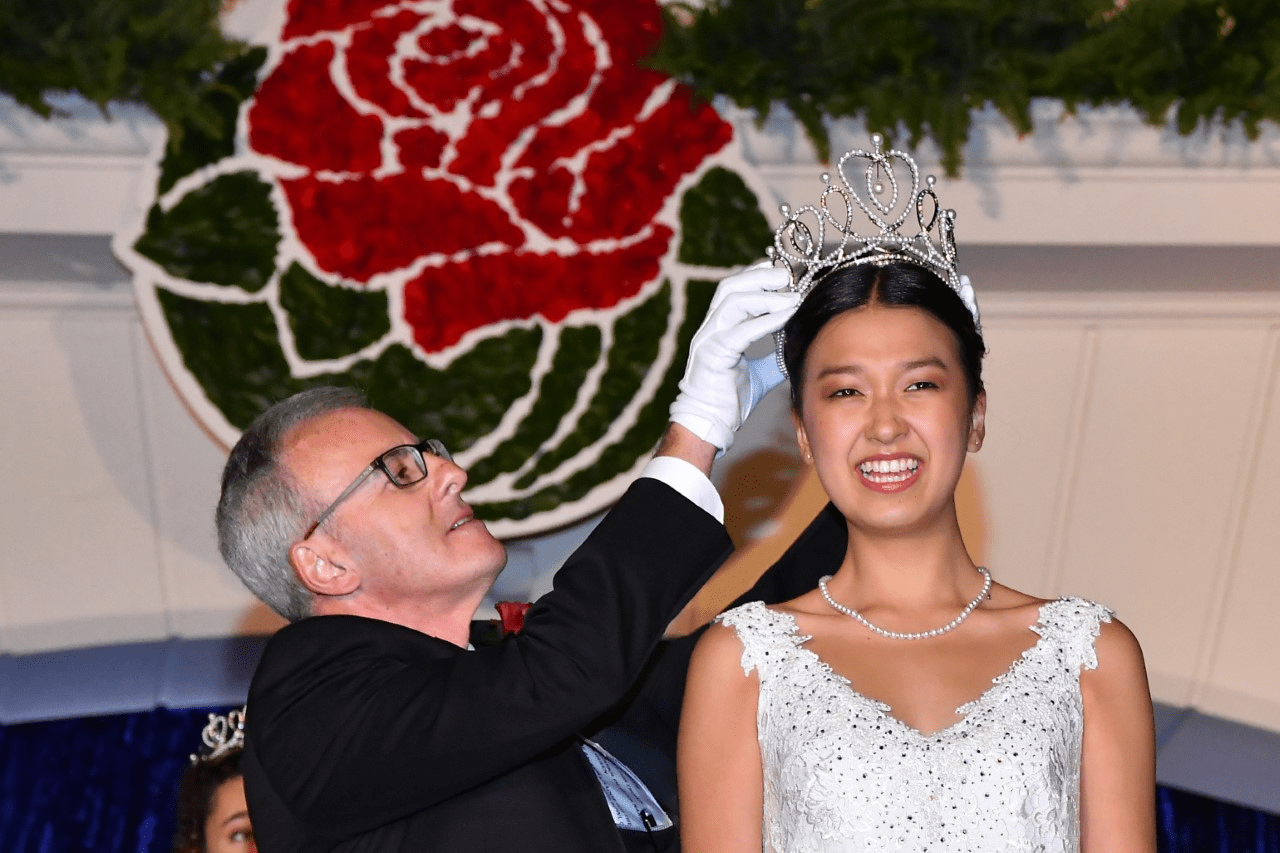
x=841 y=774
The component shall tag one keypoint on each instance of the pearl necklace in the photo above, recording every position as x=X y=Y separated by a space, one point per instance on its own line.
x=920 y=635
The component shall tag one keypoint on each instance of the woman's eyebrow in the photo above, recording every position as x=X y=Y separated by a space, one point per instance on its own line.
x=929 y=361
x=838 y=368
x=926 y=361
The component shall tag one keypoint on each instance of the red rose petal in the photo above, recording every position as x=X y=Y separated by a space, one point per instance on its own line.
x=632 y=30
x=444 y=84
x=445 y=303
x=627 y=183
x=490 y=136
x=369 y=62
x=306 y=17
x=615 y=104
x=447 y=40
x=420 y=148
x=300 y=117
x=365 y=226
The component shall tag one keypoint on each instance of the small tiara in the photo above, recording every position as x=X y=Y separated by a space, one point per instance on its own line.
x=801 y=241
x=221 y=736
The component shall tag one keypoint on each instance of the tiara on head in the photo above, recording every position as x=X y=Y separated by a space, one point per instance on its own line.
x=221 y=736
x=801 y=241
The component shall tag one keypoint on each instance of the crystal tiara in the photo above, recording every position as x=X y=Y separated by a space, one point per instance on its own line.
x=221 y=736
x=905 y=224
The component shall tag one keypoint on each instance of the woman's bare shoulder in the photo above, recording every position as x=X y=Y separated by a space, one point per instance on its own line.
x=1119 y=651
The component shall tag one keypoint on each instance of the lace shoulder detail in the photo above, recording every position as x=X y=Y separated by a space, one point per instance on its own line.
x=1073 y=624
x=763 y=633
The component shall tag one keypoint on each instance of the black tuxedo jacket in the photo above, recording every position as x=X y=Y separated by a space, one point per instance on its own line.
x=369 y=736
x=642 y=729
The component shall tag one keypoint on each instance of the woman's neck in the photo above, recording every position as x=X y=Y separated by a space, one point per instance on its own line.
x=915 y=568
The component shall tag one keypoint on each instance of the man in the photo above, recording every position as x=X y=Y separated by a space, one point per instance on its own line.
x=372 y=727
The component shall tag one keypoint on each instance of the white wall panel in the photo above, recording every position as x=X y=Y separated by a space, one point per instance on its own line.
x=1032 y=372
x=1241 y=677
x=78 y=555
x=1167 y=417
x=204 y=598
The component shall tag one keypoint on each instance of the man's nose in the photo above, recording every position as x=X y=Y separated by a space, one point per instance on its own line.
x=447 y=474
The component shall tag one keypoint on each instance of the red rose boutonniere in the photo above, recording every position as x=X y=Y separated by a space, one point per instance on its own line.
x=512 y=615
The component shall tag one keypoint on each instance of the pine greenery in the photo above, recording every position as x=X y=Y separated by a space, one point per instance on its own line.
x=922 y=66
x=918 y=67
x=162 y=53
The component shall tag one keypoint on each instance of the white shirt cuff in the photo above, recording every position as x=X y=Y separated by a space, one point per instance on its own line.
x=688 y=481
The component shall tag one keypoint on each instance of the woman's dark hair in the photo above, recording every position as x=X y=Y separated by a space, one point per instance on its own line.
x=195 y=799
x=898 y=284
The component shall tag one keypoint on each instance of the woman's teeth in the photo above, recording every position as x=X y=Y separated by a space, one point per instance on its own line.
x=889 y=470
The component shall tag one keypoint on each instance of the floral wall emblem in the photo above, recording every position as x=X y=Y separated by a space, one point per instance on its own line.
x=470 y=209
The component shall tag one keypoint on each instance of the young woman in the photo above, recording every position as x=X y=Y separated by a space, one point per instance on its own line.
x=911 y=702
x=212 y=815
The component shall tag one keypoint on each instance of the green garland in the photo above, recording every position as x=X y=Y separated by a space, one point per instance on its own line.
x=923 y=66
x=162 y=53
x=914 y=66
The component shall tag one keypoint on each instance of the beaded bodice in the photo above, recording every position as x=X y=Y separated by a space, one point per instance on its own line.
x=842 y=774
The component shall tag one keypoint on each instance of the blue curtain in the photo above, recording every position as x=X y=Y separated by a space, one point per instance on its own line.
x=1192 y=824
x=100 y=784
x=108 y=785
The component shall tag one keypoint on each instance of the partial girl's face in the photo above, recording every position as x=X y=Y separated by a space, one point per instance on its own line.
x=227 y=828
x=887 y=421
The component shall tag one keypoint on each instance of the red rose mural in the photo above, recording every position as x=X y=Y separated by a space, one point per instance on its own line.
x=469 y=209
x=518 y=141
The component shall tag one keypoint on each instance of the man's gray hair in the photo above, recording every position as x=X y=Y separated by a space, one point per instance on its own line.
x=261 y=512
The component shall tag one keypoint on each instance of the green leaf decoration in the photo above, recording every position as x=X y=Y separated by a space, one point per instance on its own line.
x=328 y=321
x=720 y=222
x=198 y=145
x=240 y=380
x=643 y=435
x=461 y=403
x=456 y=405
x=578 y=350
x=165 y=55
x=225 y=232
x=636 y=336
x=1212 y=60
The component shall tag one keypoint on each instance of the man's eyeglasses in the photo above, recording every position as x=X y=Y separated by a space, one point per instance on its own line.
x=403 y=466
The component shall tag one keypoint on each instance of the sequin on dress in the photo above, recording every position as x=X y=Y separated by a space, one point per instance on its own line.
x=841 y=774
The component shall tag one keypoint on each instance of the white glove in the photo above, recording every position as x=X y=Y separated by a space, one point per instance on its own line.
x=720 y=387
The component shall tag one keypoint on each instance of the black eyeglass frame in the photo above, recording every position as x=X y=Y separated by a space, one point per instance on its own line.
x=429 y=445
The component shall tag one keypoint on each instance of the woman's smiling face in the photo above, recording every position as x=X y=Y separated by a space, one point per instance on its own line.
x=886 y=417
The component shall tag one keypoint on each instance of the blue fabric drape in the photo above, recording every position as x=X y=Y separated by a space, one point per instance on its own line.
x=95 y=784
x=109 y=784
x=1193 y=824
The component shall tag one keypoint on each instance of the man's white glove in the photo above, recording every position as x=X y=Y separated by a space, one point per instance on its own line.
x=720 y=387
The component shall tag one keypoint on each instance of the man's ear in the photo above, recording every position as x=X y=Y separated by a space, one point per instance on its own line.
x=978 y=422
x=320 y=574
